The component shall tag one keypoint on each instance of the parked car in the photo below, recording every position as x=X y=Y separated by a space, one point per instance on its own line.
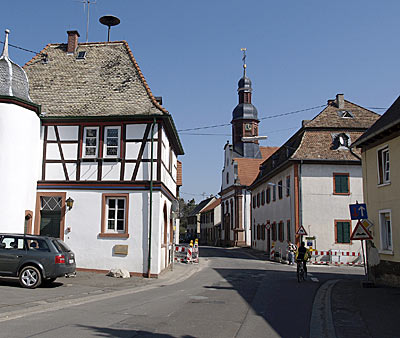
x=34 y=259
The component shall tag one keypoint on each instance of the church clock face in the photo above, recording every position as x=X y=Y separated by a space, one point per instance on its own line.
x=247 y=126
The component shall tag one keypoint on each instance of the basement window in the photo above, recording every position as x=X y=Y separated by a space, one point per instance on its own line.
x=81 y=55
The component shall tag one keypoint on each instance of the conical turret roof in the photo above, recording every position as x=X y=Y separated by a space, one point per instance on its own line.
x=13 y=80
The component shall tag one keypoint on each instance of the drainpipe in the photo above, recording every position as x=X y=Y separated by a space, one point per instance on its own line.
x=151 y=198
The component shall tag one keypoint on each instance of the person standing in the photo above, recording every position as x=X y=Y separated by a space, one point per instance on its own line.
x=291 y=250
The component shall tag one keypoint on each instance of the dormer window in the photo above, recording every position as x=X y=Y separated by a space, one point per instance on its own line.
x=81 y=55
x=345 y=114
x=341 y=140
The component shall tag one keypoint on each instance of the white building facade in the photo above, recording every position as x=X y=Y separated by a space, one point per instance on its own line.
x=98 y=157
x=310 y=182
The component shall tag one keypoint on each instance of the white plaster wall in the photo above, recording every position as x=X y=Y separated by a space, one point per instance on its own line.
x=275 y=211
x=135 y=131
x=111 y=171
x=246 y=215
x=66 y=133
x=19 y=157
x=228 y=168
x=93 y=252
x=320 y=207
x=89 y=171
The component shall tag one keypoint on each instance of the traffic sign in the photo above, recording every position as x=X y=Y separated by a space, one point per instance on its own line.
x=301 y=231
x=268 y=226
x=360 y=232
x=358 y=211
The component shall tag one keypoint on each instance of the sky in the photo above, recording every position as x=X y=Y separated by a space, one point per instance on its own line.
x=299 y=55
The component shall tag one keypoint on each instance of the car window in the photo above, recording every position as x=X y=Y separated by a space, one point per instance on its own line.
x=61 y=246
x=38 y=244
x=12 y=243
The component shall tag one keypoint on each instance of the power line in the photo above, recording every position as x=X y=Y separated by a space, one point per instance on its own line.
x=262 y=118
x=24 y=49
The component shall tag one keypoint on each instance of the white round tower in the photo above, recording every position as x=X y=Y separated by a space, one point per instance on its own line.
x=20 y=147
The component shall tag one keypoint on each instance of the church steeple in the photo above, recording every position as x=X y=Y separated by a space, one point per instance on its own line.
x=245 y=119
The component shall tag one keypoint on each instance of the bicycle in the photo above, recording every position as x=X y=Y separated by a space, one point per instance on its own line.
x=300 y=271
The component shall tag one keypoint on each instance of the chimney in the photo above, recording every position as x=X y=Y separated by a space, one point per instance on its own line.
x=72 y=41
x=340 y=101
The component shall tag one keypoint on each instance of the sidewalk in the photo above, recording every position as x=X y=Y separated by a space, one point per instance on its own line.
x=365 y=312
x=85 y=287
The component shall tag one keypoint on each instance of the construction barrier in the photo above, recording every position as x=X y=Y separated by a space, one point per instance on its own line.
x=186 y=254
x=336 y=257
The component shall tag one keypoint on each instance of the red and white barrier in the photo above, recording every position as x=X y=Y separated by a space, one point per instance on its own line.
x=336 y=257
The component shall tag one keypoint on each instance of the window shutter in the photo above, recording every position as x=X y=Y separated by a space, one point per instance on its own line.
x=346 y=232
x=339 y=229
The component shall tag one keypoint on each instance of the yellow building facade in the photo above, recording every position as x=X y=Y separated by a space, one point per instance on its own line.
x=380 y=146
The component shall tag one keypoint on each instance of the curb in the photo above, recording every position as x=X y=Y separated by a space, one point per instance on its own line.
x=67 y=303
x=321 y=323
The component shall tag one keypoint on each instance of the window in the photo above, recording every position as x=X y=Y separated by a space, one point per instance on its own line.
x=273 y=231
x=280 y=191
x=111 y=141
x=383 y=166
x=81 y=55
x=342 y=231
x=287 y=185
x=263 y=232
x=258 y=200
x=15 y=243
x=341 y=184
x=231 y=215
x=254 y=202
x=263 y=197
x=268 y=195
x=90 y=142
x=115 y=215
x=288 y=232
x=258 y=231
x=227 y=178
x=385 y=223
x=274 y=192
x=280 y=231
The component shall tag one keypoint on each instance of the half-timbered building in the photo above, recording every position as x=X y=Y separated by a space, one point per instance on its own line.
x=109 y=168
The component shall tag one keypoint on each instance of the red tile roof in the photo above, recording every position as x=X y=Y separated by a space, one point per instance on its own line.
x=212 y=206
x=248 y=168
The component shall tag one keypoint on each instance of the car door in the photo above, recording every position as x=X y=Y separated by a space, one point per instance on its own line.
x=12 y=251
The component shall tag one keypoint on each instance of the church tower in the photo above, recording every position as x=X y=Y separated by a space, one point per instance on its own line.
x=245 y=120
x=20 y=147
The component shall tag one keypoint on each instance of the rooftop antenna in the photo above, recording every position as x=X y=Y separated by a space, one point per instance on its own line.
x=109 y=20
x=88 y=3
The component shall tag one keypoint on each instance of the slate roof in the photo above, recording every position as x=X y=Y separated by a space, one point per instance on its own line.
x=390 y=119
x=248 y=168
x=200 y=207
x=314 y=140
x=108 y=81
x=212 y=205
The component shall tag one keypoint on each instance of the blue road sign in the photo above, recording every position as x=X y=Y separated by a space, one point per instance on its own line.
x=358 y=211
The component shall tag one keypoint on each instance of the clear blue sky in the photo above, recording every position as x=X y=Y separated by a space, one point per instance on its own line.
x=300 y=54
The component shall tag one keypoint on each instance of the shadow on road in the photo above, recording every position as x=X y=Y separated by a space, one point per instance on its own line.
x=125 y=333
x=273 y=292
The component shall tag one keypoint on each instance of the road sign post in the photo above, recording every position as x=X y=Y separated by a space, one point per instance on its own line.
x=358 y=212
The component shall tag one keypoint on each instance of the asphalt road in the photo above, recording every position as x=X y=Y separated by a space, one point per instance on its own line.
x=232 y=295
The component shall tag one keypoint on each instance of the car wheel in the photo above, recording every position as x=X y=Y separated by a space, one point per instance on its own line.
x=30 y=277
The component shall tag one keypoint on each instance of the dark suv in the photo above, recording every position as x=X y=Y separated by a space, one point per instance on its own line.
x=34 y=259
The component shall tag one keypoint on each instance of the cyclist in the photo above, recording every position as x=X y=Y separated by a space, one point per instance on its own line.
x=302 y=255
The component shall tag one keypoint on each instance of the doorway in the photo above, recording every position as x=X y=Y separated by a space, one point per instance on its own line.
x=50 y=211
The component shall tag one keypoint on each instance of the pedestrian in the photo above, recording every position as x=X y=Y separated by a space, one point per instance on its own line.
x=291 y=250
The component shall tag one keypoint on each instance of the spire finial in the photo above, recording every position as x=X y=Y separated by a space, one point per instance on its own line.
x=5 y=48
x=244 y=60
